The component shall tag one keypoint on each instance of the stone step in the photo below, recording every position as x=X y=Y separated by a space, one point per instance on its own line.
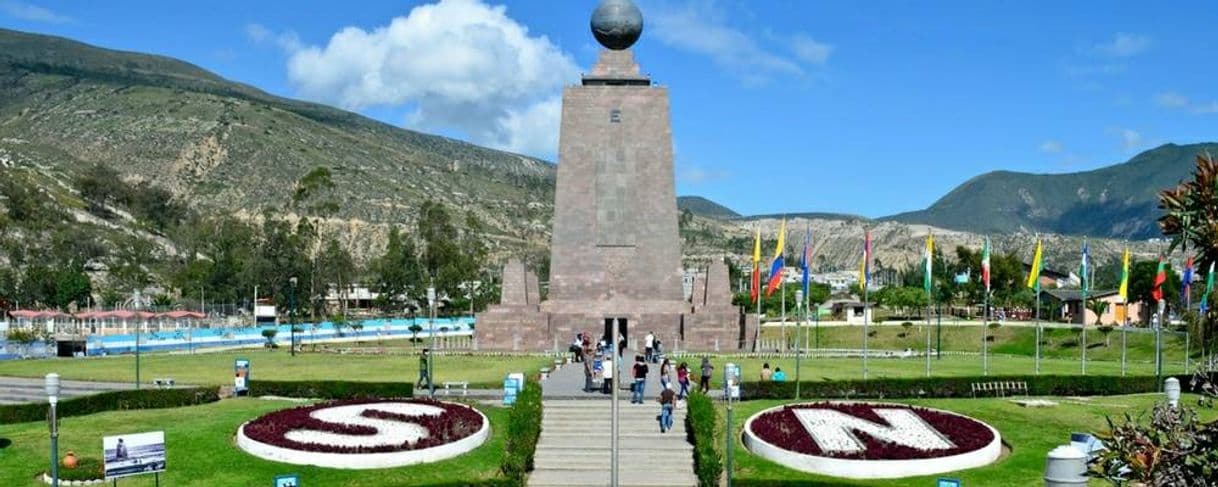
x=627 y=476
x=601 y=455
x=624 y=442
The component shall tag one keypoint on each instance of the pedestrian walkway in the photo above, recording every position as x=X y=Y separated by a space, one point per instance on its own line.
x=21 y=390
x=568 y=381
x=574 y=449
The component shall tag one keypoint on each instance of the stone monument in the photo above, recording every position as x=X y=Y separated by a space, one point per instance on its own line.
x=615 y=252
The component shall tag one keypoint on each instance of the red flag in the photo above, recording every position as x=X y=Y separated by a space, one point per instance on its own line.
x=1160 y=278
x=756 y=284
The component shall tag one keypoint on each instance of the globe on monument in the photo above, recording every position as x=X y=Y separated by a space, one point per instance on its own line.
x=617 y=24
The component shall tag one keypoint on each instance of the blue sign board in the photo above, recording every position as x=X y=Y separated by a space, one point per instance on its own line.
x=289 y=480
x=511 y=386
x=945 y=482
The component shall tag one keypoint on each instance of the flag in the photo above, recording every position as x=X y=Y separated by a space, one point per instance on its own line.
x=1083 y=269
x=1187 y=283
x=865 y=265
x=1125 y=276
x=777 y=265
x=805 y=259
x=1160 y=278
x=754 y=290
x=985 y=264
x=1034 y=271
x=928 y=263
x=1209 y=286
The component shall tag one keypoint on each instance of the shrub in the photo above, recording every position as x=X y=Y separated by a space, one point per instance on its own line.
x=523 y=431
x=331 y=389
x=701 y=419
x=995 y=325
x=87 y=468
x=112 y=401
x=1038 y=385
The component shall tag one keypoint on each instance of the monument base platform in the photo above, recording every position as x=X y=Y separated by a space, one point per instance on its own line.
x=528 y=330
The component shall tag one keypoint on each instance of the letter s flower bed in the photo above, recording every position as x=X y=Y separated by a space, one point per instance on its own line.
x=366 y=433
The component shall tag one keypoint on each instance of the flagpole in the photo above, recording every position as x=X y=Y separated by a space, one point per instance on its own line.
x=929 y=309
x=985 y=346
x=1038 y=332
x=1083 y=312
x=783 y=289
x=865 y=328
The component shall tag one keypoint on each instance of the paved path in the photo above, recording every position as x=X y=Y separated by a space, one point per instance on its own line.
x=574 y=449
x=19 y=390
x=568 y=382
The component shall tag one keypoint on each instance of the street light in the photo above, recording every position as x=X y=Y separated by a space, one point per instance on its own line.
x=431 y=325
x=136 y=298
x=52 y=389
x=292 y=315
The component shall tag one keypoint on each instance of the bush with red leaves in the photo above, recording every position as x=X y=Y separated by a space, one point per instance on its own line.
x=456 y=423
x=783 y=429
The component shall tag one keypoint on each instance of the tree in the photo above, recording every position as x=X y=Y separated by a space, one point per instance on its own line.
x=269 y=335
x=100 y=185
x=1191 y=212
x=338 y=269
x=1142 y=279
x=397 y=272
x=1098 y=306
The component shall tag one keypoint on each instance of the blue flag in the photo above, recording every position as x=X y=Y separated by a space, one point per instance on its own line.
x=804 y=259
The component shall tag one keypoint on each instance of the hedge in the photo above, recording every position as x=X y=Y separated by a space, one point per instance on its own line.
x=523 y=431
x=331 y=389
x=701 y=420
x=946 y=387
x=112 y=401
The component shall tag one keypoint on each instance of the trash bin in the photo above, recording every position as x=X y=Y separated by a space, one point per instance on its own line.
x=1066 y=466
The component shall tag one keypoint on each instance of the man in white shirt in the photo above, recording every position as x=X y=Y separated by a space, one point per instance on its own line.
x=649 y=344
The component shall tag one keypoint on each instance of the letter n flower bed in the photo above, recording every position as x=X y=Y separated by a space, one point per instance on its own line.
x=366 y=433
x=870 y=440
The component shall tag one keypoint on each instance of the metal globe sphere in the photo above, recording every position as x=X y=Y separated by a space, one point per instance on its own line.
x=617 y=24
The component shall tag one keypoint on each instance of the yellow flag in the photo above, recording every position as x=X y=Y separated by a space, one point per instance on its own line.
x=1125 y=276
x=757 y=248
x=1034 y=272
x=782 y=239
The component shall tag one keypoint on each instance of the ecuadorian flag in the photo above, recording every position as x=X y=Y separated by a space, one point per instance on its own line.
x=777 y=265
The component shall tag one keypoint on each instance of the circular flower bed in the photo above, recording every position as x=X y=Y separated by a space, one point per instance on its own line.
x=870 y=440
x=366 y=433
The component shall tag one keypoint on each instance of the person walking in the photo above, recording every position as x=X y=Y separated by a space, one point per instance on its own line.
x=577 y=347
x=649 y=343
x=707 y=370
x=665 y=374
x=667 y=401
x=607 y=372
x=766 y=373
x=640 y=380
x=683 y=380
x=585 y=352
x=424 y=370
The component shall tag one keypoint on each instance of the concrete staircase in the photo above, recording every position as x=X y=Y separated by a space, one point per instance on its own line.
x=574 y=449
x=21 y=390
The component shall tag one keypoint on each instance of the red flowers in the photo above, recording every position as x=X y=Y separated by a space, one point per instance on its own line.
x=783 y=429
x=456 y=423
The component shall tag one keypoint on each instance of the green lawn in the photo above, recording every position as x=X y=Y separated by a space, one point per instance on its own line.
x=1031 y=433
x=217 y=368
x=1007 y=340
x=949 y=365
x=201 y=451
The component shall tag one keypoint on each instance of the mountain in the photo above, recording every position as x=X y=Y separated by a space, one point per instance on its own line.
x=1116 y=201
x=703 y=207
x=225 y=147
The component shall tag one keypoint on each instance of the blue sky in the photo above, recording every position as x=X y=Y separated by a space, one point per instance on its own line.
x=869 y=108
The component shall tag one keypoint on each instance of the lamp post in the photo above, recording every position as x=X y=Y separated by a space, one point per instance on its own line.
x=431 y=326
x=799 y=349
x=135 y=305
x=292 y=315
x=52 y=389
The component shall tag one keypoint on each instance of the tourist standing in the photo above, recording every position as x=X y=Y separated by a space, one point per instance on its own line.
x=683 y=380
x=665 y=374
x=585 y=352
x=707 y=370
x=607 y=372
x=640 y=380
x=577 y=347
x=424 y=370
x=765 y=372
x=667 y=401
x=649 y=343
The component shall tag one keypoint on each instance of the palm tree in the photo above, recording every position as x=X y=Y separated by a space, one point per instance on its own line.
x=1098 y=306
x=1191 y=211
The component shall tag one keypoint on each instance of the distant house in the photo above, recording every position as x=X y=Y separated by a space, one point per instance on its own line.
x=849 y=309
x=1050 y=279
x=1068 y=305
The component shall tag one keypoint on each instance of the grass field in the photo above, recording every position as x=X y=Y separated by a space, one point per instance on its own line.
x=217 y=367
x=201 y=452
x=1009 y=340
x=1031 y=433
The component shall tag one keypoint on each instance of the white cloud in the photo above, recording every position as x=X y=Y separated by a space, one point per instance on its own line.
x=1130 y=139
x=692 y=174
x=1171 y=99
x=1123 y=45
x=809 y=50
x=459 y=64
x=25 y=11
x=1051 y=146
x=260 y=34
x=700 y=27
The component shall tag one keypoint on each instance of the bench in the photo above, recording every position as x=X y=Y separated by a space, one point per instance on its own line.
x=1000 y=388
x=166 y=383
x=464 y=385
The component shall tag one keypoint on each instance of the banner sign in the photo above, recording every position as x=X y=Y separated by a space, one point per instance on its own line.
x=241 y=376
x=135 y=454
x=289 y=480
